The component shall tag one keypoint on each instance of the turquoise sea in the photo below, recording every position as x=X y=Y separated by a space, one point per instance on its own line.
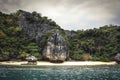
x=61 y=73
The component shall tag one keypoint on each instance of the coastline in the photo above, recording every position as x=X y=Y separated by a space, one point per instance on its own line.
x=67 y=63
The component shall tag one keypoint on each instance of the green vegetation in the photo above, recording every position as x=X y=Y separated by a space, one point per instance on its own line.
x=93 y=44
x=15 y=42
x=101 y=44
x=44 y=40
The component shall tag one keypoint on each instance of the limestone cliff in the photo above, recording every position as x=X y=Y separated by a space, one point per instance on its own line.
x=36 y=27
x=56 y=48
x=70 y=34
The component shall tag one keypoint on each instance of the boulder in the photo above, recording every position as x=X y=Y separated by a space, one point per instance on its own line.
x=56 y=49
x=117 y=58
x=32 y=60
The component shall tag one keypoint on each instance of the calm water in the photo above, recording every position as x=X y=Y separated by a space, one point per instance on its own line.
x=62 y=73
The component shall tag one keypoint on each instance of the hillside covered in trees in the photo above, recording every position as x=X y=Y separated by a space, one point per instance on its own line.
x=98 y=44
x=23 y=34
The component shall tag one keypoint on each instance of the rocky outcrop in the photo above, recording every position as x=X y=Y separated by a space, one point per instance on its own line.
x=70 y=34
x=56 y=48
x=36 y=27
x=117 y=58
x=33 y=24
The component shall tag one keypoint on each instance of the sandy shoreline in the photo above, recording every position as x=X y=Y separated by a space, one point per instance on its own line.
x=67 y=63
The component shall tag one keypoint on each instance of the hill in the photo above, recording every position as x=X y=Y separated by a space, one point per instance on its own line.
x=24 y=34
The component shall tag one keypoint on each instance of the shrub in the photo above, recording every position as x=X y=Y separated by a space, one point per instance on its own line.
x=86 y=57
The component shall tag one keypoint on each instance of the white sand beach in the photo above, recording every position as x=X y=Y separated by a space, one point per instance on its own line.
x=67 y=63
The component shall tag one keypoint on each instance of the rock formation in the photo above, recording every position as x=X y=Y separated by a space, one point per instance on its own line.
x=117 y=58
x=33 y=24
x=70 y=34
x=56 y=48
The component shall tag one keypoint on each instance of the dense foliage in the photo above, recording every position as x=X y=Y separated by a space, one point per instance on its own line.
x=15 y=44
x=100 y=44
x=93 y=44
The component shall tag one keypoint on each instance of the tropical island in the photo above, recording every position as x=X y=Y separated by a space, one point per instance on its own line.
x=24 y=34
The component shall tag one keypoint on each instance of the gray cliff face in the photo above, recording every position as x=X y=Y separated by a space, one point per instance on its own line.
x=70 y=34
x=33 y=25
x=56 y=48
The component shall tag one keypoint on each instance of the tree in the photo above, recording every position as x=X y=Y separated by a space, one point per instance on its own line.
x=86 y=57
x=2 y=34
